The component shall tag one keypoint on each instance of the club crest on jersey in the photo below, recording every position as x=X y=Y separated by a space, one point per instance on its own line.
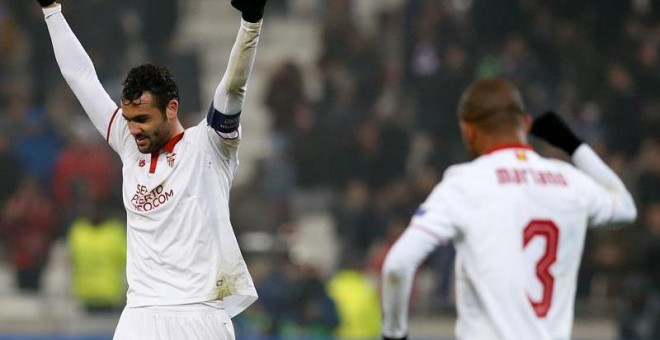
x=170 y=159
x=521 y=156
x=142 y=162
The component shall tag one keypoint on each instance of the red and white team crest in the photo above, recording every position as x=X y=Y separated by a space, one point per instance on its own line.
x=142 y=162
x=170 y=159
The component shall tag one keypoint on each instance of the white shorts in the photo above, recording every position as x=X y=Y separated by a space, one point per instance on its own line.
x=199 y=321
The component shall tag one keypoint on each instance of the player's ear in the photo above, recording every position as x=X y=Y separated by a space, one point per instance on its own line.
x=467 y=130
x=527 y=123
x=172 y=109
x=469 y=133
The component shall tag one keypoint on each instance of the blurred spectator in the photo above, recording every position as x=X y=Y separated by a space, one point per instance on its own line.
x=294 y=140
x=521 y=65
x=442 y=263
x=12 y=46
x=375 y=259
x=608 y=19
x=639 y=317
x=496 y=19
x=85 y=169
x=44 y=73
x=9 y=168
x=376 y=154
x=358 y=221
x=649 y=245
x=276 y=292
x=648 y=181
x=107 y=47
x=284 y=96
x=307 y=143
x=31 y=136
x=97 y=246
x=647 y=70
x=316 y=312
x=254 y=323
x=621 y=111
x=157 y=27
x=277 y=7
x=356 y=298
x=427 y=66
x=28 y=224
x=351 y=68
x=294 y=296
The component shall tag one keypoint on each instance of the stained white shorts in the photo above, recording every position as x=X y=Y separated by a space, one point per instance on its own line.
x=200 y=321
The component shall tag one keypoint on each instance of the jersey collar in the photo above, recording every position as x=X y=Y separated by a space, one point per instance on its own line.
x=499 y=147
x=169 y=146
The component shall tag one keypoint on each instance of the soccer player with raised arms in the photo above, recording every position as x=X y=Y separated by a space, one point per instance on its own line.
x=518 y=222
x=186 y=274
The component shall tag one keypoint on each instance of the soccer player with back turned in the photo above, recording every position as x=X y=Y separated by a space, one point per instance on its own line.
x=518 y=222
x=185 y=271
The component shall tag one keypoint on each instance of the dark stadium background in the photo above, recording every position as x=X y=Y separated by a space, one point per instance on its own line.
x=350 y=121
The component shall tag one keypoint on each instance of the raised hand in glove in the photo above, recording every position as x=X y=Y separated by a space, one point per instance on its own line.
x=252 y=10
x=46 y=3
x=554 y=130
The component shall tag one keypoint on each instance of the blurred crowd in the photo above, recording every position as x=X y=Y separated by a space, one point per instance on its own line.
x=60 y=181
x=366 y=148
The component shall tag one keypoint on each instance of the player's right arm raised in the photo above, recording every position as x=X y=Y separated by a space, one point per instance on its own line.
x=620 y=206
x=77 y=68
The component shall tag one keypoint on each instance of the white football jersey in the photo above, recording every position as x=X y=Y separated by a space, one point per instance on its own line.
x=181 y=245
x=518 y=222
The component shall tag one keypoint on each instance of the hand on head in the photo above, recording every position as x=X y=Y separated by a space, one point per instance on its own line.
x=553 y=129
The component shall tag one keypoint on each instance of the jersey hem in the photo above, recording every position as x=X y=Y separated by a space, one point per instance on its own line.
x=143 y=302
x=233 y=304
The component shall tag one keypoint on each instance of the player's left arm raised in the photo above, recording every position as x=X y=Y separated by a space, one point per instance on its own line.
x=224 y=114
x=617 y=204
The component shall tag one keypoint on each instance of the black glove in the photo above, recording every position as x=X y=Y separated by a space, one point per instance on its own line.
x=554 y=130
x=253 y=10
x=386 y=338
x=46 y=3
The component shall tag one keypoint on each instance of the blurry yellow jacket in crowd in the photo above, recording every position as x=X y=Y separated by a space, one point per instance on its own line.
x=98 y=255
x=357 y=303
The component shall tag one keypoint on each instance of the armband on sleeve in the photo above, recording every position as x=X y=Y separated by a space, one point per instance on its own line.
x=221 y=122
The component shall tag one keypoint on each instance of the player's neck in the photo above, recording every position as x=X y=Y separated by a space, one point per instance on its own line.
x=491 y=142
x=177 y=129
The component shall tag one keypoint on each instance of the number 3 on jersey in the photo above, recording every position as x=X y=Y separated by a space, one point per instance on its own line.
x=548 y=230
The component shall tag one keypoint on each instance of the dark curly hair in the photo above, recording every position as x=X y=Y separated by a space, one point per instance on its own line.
x=152 y=78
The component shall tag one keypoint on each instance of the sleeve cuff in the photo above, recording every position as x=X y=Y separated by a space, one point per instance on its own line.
x=583 y=153
x=49 y=11
x=251 y=26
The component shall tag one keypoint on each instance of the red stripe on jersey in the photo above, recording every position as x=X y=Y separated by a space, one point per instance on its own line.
x=508 y=146
x=428 y=231
x=107 y=136
x=168 y=147
x=154 y=161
